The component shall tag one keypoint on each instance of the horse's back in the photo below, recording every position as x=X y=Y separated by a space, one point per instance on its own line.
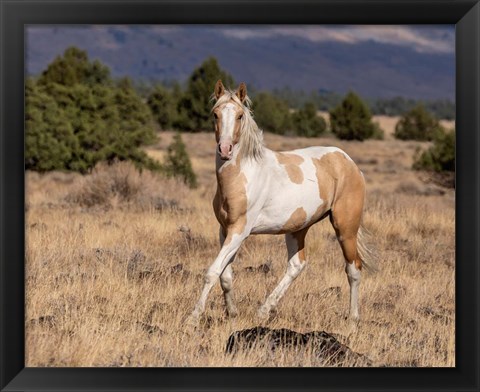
x=326 y=163
x=332 y=163
x=320 y=152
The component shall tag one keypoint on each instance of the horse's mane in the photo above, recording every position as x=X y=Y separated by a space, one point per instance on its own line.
x=251 y=137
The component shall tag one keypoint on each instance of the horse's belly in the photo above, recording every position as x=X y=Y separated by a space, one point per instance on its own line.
x=289 y=213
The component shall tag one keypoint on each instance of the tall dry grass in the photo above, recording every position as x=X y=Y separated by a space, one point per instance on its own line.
x=110 y=276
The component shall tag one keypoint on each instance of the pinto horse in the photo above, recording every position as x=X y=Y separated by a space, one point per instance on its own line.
x=260 y=191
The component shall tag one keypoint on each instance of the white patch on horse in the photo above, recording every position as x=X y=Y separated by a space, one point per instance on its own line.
x=228 y=121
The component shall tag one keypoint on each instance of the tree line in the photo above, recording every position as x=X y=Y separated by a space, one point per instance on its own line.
x=396 y=106
x=78 y=115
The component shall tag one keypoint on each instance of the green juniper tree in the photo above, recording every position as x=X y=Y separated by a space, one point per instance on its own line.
x=194 y=106
x=49 y=141
x=74 y=68
x=162 y=103
x=307 y=123
x=440 y=157
x=89 y=118
x=272 y=114
x=177 y=162
x=417 y=124
x=352 y=120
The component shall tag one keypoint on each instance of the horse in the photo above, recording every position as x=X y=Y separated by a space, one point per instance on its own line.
x=260 y=191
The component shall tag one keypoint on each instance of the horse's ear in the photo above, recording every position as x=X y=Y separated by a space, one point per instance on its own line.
x=241 y=92
x=219 y=89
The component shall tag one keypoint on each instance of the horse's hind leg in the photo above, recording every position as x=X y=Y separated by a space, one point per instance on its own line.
x=226 y=281
x=296 y=263
x=345 y=217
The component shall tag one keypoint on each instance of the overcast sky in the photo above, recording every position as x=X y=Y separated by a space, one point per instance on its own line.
x=425 y=38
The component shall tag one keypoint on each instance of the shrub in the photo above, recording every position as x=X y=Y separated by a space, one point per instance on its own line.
x=440 y=157
x=417 y=124
x=194 y=106
x=122 y=184
x=178 y=164
x=378 y=133
x=352 y=120
x=272 y=114
x=307 y=123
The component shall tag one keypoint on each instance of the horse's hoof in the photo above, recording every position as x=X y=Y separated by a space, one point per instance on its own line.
x=192 y=322
x=352 y=318
x=355 y=319
x=232 y=312
x=263 y=313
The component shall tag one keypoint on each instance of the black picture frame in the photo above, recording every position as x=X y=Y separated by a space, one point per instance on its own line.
x=465 y=14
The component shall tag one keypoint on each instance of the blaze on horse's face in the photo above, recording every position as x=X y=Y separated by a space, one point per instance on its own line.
x=228 y=120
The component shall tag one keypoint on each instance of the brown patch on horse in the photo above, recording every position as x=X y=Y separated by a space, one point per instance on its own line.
x=358 y=263
x=326 y=180
x=292 y=163
x=342 y=187
x=295 y=222
x=230 y=202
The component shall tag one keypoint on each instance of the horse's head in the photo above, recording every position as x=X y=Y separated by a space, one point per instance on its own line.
x=228 y=114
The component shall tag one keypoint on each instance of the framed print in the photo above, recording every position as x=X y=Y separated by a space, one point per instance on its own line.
x=122 y=121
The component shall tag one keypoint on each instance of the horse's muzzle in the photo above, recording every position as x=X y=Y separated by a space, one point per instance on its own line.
x=225 y=150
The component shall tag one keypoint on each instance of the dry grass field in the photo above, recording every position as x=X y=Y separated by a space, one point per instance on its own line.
x=115 y=262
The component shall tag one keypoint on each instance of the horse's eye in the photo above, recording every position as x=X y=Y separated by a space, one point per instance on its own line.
x=240 y=117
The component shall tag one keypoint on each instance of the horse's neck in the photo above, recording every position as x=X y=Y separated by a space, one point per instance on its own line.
x=230 y=171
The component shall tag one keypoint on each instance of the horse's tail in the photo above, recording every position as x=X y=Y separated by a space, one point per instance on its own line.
x=366 y=250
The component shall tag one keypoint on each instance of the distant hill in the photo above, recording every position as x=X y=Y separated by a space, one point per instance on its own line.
x=371 y=68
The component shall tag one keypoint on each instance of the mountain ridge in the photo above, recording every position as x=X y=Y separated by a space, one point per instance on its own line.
x=369 y=67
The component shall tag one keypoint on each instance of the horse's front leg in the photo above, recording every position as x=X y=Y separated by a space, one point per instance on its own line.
x=230 y=247
x=226 y=280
